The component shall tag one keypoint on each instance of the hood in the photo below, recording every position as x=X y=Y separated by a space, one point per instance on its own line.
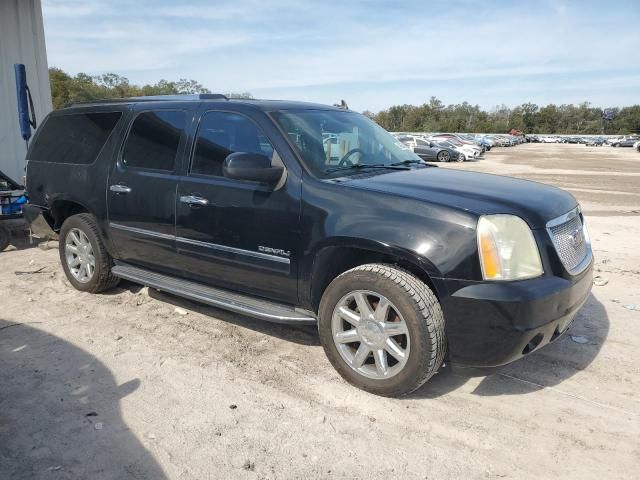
x=478 y=193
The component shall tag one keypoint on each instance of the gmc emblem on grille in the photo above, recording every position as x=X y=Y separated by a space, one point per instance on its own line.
x=576 y=237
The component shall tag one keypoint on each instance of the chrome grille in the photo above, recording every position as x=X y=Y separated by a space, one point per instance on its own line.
x=570 y=241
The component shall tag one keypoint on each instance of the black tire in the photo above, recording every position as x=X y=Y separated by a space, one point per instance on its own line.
x=461 y=158
x=102 y=278
x=443 y=156
x=5 y=238
x=422 y=315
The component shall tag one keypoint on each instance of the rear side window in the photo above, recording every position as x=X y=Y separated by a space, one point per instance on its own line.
x=73 y=138
x=153 y=140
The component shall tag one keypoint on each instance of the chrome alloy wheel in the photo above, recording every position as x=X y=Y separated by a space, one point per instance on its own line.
x=79 y=255
x=370 y=334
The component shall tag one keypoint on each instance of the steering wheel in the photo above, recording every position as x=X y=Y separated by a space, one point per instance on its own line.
x=343 y=160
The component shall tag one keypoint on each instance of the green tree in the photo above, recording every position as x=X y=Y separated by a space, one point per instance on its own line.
x=434 y=116
x=66 y=89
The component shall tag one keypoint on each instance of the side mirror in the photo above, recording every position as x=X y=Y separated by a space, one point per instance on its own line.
x=254 y=167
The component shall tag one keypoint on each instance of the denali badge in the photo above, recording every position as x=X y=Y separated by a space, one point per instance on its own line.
x=274 y=251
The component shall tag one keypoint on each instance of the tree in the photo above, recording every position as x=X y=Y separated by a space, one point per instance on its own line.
x=67 y=89
x=434 y=116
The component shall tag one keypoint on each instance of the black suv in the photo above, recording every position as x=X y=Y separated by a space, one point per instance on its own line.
x=300 y=213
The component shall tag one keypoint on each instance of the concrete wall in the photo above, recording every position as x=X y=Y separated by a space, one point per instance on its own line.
x=21 y=41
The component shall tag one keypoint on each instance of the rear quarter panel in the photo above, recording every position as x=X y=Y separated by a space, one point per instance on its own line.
x=85 y=184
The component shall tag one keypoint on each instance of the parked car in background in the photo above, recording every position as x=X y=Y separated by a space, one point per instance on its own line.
x=467 y=150
x=594 y=142
x=625 y=141
x=549 y=139
x=459 y=138
x=431 y=151
x=485 y=141
x=637 y=146
x=464 y=155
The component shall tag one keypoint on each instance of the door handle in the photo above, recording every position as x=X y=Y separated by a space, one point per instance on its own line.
x=120 y=188
x=195 y=201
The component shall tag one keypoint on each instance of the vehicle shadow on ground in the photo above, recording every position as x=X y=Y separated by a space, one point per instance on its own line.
x=547 y=367
x=300 y=334
x=60 y=412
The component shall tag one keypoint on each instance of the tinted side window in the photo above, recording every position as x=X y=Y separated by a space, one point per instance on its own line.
x=223 y=133
x=153 y=140
x=73 y=138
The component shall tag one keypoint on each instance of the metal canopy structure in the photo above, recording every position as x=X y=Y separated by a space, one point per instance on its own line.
x=22 y=41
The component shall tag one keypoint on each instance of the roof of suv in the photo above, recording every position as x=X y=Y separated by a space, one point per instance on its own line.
x=207 y=97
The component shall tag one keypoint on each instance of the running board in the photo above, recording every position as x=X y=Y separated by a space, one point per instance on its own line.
x=235 y=302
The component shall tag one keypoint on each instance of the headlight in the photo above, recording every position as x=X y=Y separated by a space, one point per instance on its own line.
x=507 y=248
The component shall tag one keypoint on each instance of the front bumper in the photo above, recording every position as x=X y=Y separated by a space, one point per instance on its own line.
x=491 y=324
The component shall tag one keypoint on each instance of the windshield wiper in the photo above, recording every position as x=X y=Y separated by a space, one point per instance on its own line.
x=407 y=162
x=359 y=166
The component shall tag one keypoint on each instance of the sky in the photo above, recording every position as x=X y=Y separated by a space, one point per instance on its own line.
x=371 y=53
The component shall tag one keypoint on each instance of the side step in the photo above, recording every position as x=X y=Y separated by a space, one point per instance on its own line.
x=235 y=302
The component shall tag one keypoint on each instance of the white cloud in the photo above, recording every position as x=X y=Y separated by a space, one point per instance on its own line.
x=292 y=46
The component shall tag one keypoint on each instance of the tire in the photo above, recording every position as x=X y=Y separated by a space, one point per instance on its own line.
x=5 y=238
x=443 y=156
x=84 y=227
x=461 y=158
x=413 y=308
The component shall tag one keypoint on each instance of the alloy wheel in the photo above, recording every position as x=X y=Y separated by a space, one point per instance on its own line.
x=79 y=255
x=370 y=334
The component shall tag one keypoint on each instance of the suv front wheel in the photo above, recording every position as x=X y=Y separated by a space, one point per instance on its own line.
x=382 y=329
x=84 y=258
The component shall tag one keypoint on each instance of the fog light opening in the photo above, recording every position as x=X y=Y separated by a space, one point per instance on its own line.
x=533 y=344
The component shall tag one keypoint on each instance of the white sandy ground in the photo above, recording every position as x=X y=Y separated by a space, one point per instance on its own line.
x=162 y=385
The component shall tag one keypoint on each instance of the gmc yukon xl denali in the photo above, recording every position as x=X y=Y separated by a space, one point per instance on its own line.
x=307 y=214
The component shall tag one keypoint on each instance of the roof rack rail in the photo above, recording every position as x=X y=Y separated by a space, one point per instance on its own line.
x=154 y=98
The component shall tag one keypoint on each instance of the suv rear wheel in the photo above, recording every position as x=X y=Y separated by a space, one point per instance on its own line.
x=382 y=329
x=84 y=258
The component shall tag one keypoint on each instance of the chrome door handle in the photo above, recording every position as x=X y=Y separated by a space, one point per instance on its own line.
x=120 y=188
x=193 y=200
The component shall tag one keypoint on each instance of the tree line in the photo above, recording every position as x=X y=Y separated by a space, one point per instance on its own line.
x=528 y=118
x=433 y=116
x=67 y=89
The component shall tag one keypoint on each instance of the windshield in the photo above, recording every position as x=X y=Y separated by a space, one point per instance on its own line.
x=330 y=141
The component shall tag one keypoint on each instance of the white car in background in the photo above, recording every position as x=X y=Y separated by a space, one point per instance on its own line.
x=466 y=150
x=636 y=146
x=549 y=140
